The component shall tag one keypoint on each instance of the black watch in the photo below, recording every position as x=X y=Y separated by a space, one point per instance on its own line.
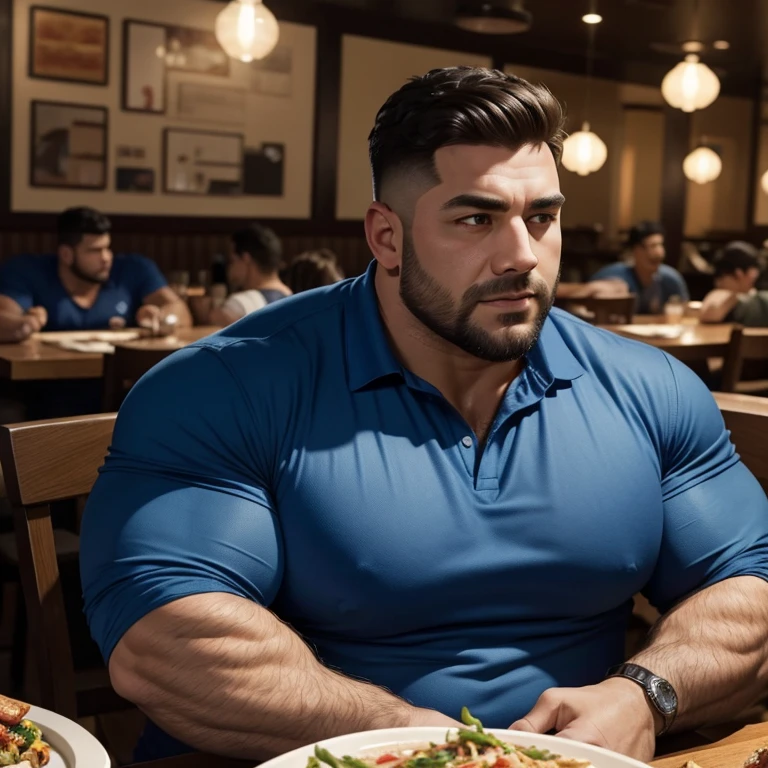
x=659 y=691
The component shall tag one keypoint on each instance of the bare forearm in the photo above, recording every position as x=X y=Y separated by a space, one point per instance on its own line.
x=717 y=305
x=712 y=649
x=225 y=676
x=181 y=310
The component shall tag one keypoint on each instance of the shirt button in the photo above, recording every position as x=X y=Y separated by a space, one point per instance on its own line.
x=466 y=441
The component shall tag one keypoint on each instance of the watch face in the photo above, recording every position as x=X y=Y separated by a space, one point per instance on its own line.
x=664 y=694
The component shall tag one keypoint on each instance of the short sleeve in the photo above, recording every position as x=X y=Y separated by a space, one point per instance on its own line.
x=682 y=287
x=147 y=277
x=182 y=505
x=16 y=281
x=607 y=273
x=715 y=512
x=243 y=303
x=751 y=311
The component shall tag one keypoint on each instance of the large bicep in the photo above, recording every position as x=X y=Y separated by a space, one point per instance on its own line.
x=16 y=289
x=183 y=504
x=150 y=538
x=715 y=512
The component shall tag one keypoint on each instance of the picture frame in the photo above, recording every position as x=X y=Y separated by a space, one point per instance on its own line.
x=69 y=46
x=144 y=85
x=68 y=146
x=197 y=51
x=203 y=163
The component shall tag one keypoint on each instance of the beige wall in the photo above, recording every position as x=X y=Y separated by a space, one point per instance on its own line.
x=289 y=120
x=371 y=71
x=722 y=204
x=761 y=196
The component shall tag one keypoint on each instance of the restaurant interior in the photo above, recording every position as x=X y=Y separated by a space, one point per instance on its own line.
x=182 y=130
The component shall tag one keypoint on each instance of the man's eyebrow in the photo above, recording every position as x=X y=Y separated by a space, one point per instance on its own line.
x=550 y=201
x=481 y=202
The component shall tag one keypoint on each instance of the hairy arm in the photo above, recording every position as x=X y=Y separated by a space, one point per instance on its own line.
x=712 y=648
x=717 y=305
x=224 y=675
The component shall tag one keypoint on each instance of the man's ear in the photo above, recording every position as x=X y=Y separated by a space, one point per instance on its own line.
x=384 y=233
x=66 y=254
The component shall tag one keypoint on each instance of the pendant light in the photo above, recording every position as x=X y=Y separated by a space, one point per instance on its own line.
x=764 y=182
x=691 y=85
x=584 y=151
x=702 y=165
x=247 y=30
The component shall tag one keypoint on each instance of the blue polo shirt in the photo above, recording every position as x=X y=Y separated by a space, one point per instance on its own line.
x=291 y=460
x=666 y=283
x=34 y=281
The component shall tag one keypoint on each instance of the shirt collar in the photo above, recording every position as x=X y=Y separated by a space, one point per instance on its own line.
x=370 y=357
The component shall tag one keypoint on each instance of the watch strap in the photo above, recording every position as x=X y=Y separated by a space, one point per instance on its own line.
x=644 y=677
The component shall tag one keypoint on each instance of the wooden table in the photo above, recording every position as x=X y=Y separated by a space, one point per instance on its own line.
x=730 y=752
x=696 y=343
x=36 y=359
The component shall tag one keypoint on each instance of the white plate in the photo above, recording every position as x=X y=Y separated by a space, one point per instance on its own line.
x=356 y=744
x=71 y=745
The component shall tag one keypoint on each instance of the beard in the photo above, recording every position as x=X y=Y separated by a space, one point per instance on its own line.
x=431 y=303
x=87 y=277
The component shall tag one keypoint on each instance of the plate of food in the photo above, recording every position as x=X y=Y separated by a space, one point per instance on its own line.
x=469 y=747
x=32 y=737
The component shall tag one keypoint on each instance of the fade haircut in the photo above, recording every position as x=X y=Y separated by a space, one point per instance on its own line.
x=460 y=105
x=74 y=223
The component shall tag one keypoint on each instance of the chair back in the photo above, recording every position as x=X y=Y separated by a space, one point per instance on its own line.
x=125 y=367
x=44 y=462
x=746 y=344
x=747 y=418
x=602 y=310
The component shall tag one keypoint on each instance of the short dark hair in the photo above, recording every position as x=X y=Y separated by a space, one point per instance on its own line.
x=641 y=230
x=73 y=223
x=313 y=269
x=461 y=105
x=261 y=243
x=736 y=255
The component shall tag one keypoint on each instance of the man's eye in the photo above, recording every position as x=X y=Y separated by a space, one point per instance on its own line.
x=476 y=220
x=542 y=218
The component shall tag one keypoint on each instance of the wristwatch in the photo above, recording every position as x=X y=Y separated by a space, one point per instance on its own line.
x=659 y=691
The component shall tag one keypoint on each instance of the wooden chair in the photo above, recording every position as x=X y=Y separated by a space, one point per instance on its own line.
x=45 y=462
x=747 y=418
x=124 y=368
x=602 y=310
x=747 y=344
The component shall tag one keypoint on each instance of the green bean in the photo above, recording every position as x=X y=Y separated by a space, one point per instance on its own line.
x=467 y=719
x=351 y=762
x=538 y=754
x=325 y=756
x=483 y=739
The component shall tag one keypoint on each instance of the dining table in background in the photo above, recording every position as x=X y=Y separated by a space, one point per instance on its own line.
x=38 y=358
x=729 y=752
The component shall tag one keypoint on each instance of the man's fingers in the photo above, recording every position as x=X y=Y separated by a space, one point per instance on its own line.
x=543 y=716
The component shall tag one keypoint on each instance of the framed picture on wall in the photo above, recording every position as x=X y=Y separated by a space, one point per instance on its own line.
x=68 y=45
x=195 y=50
x=144 y=70
x=68 y=145
x=202 y=162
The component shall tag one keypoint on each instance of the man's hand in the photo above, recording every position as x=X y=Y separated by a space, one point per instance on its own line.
x=614 y=714
x=148 y=316
x=37 y=317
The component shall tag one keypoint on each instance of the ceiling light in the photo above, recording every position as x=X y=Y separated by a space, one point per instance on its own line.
x=247 y=30
x=494 y=17
x=702 y=165
x=690 y=85
x=584 y=152
x=722 y=45
x=591 y=18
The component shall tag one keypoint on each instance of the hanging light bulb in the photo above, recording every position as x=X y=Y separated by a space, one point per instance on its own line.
x=690 y=85
x=764 y=182
x=702 y=165
x=247 y=30
x=584 y=151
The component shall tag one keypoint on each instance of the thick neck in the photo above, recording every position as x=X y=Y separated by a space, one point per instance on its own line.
x=76 y=286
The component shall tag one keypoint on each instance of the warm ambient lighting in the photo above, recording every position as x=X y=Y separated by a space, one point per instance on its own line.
x=764 y=182
x=591 y=18
x=584 y=152
x=691 y=85
x=702 y=165
x=721 y=45
x=247 y=30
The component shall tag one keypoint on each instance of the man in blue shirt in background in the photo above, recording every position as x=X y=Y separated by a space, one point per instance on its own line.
x=653 y=282
x=371 y=504
x=83 y=286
